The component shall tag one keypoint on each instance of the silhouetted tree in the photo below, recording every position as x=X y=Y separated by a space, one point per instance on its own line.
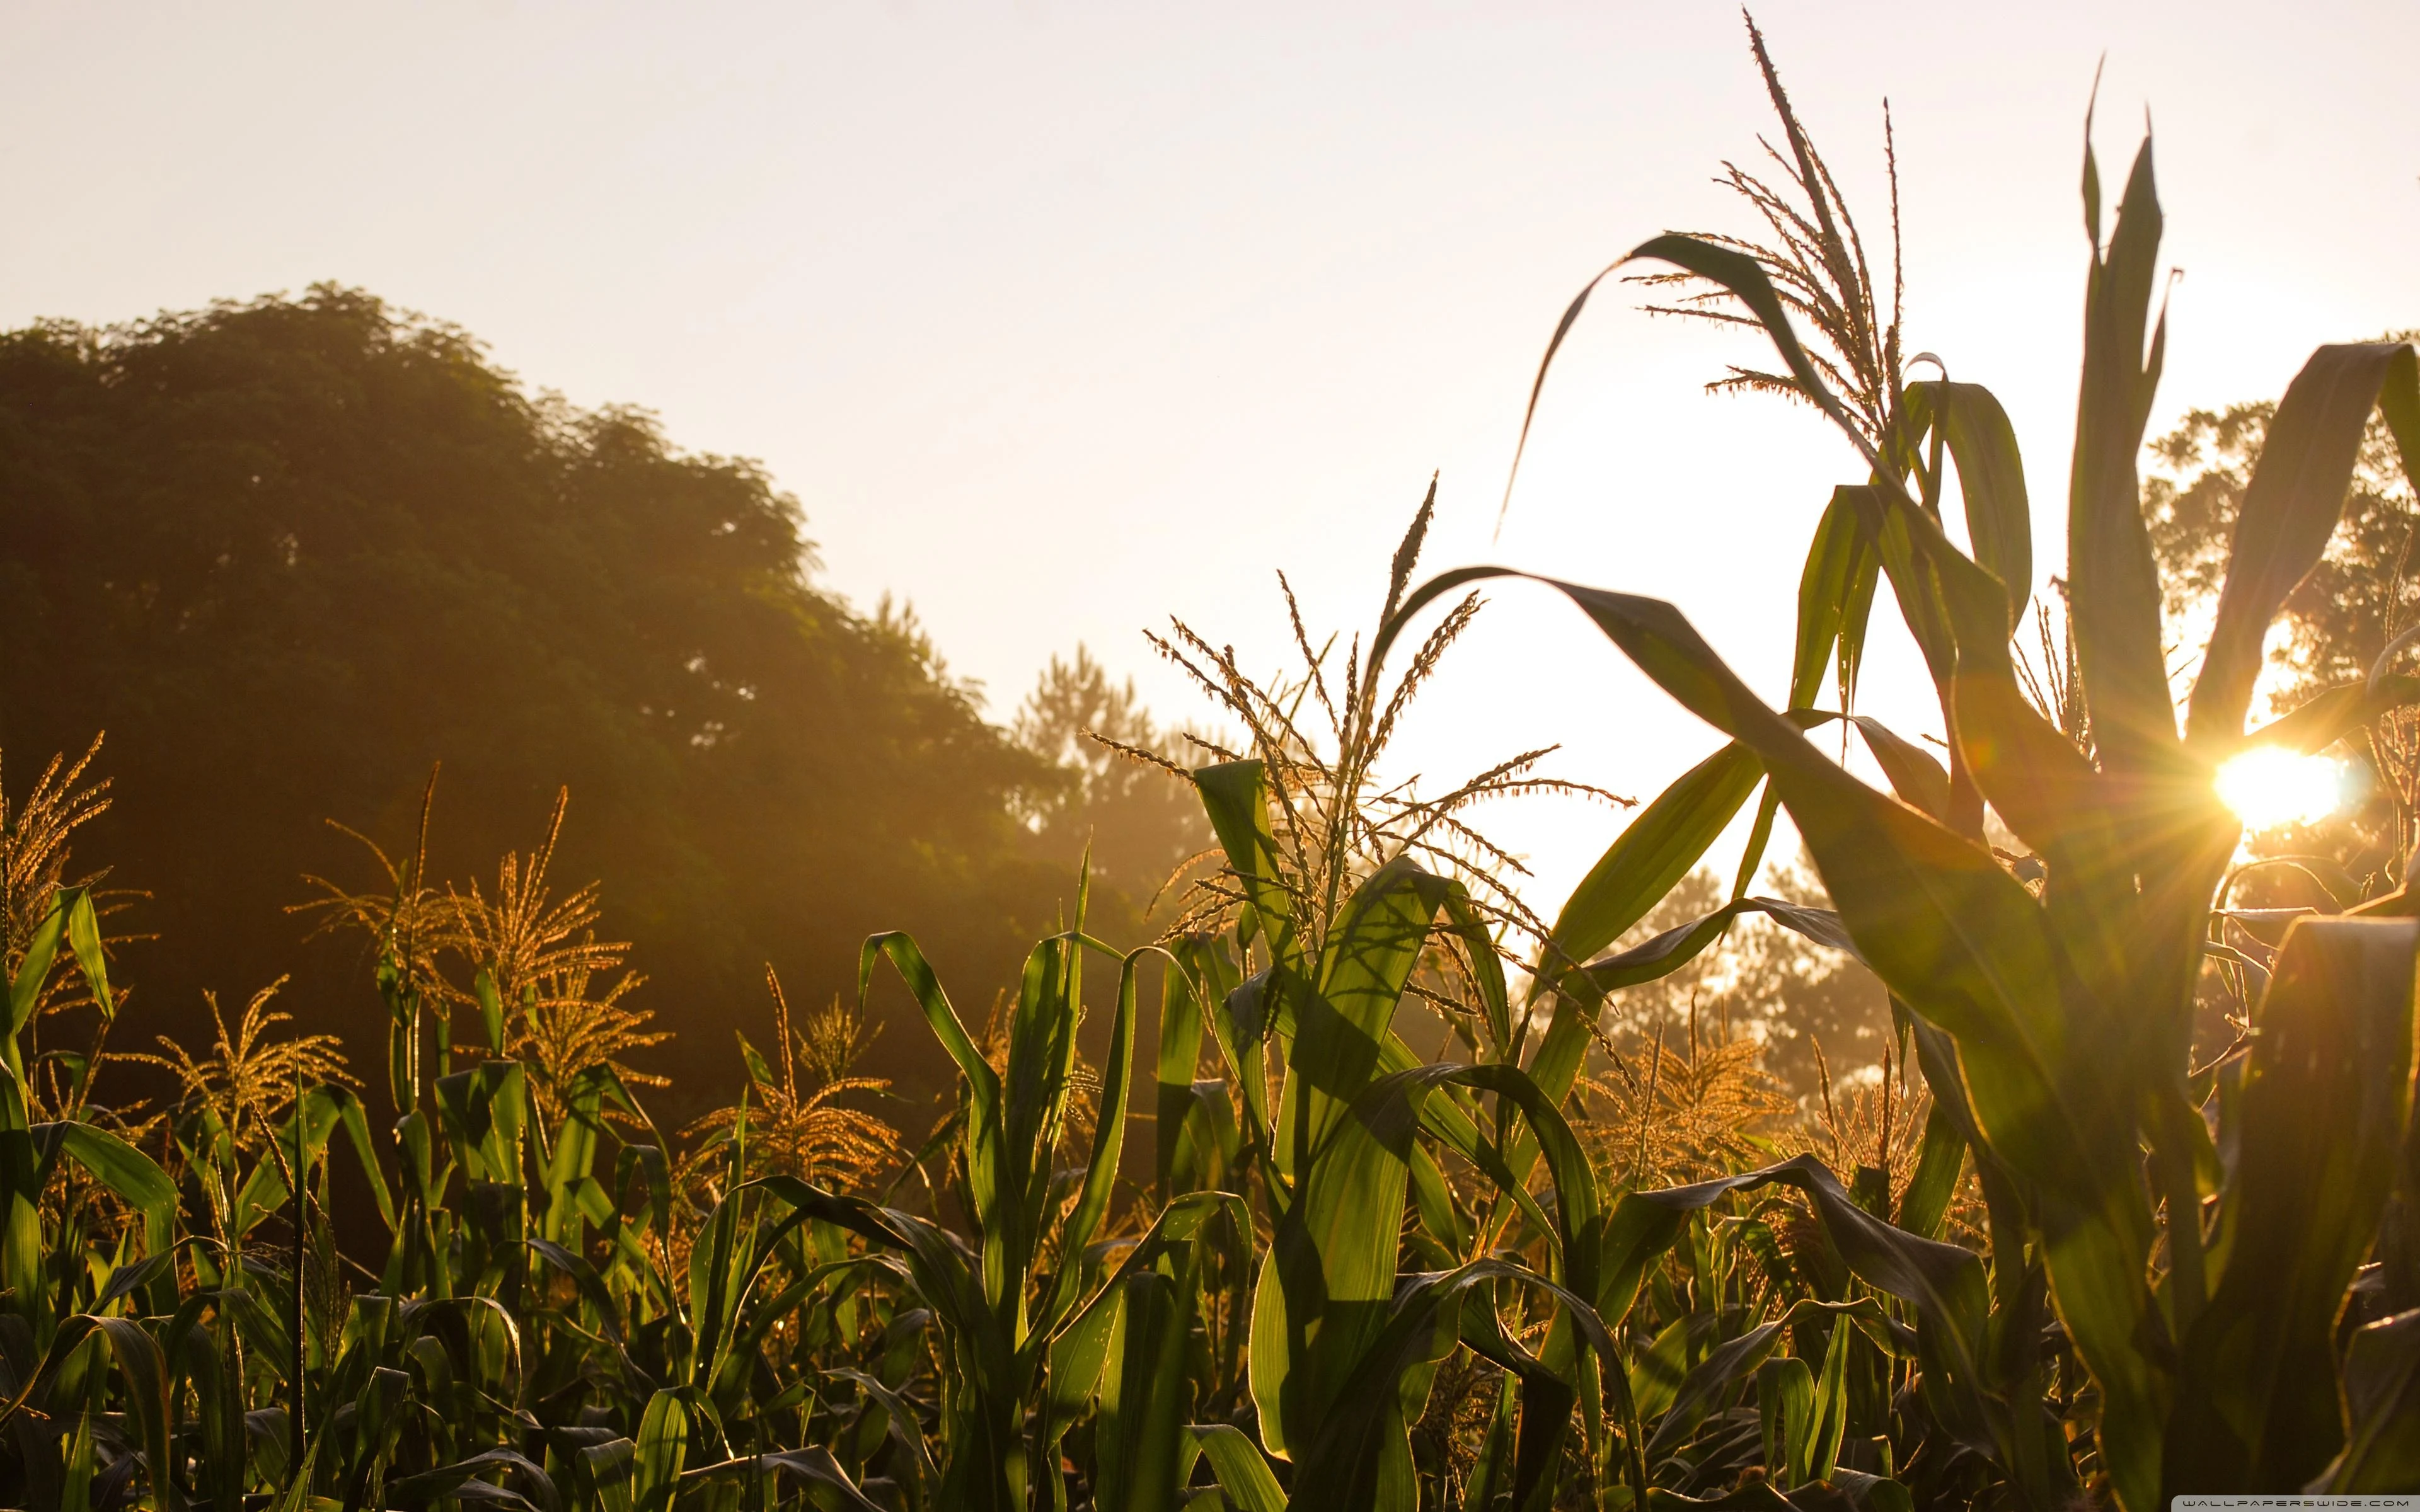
x=1138 y=822
x=291 y=553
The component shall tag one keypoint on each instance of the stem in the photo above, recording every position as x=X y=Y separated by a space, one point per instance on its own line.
x=2188 y=1285
x=302 y=1223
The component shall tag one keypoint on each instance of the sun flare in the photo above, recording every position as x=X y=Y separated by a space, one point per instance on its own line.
x=2268 y=786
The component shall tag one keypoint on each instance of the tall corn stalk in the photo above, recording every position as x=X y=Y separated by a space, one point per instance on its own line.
x=2196 y=1227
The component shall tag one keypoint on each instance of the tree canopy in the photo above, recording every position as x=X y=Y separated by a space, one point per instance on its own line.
x=292 y=553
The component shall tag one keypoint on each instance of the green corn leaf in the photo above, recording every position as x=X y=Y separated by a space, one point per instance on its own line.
x=573 y=1157
x=142 y=1366
x=1151 y=1400
x=1573 y=1226
x=606 y=1472
x=1325 y=1286
x=26 y=988
x=1359 y=1457
x=1326 y=1290
x=482 y=1109
x=1180 y=1053
x=2290 y=510
x=2329 y=715
x=319 y=1112
x=1534 y=1413
x=1711 y=1380
x=2318 y=1133
x=2113 y=587
x=2031 y=772
x=491 y=1007
x=379 y=1411
x=1142 y=1437
x=1944 y=1282
x=1899 y=541
x=1434 y=1201
x=1034 y=1106
x=1462 y=919
x=1654 y=959
x=814 y=1465
x=1785 y=1407
x=84 y=938
x=1940 y=1159
x=986 y=1156
x=1324 y=1293
x=453 y=1481
x=1913 y=775
x=662 y=1450
x=590 y=1284
x=2381 y=1401
x=907 y=1431
x=1990 y=477
x=1108 y=1135
x=720 y=1252
x=1344 y=1024
x=1653 y=853
x=1242 y=1474
x=135 y=1177
x=980 y=1422
x=1831 y=1403
x=1235 y=794
x=1835 y=590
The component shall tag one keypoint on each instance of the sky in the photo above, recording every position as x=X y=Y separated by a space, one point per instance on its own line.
x=1063 y=319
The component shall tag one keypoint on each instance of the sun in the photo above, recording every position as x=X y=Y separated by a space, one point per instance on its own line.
x=2268 y=785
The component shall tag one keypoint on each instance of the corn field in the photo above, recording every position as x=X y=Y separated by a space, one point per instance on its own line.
x=1328 y=1272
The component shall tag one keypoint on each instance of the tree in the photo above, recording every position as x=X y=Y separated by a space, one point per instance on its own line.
x=291 y=553
x=1138 y=823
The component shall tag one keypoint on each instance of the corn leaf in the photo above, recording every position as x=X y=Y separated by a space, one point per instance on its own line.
x=2318 y=1133
x=2113 y=587
x=2290 y=510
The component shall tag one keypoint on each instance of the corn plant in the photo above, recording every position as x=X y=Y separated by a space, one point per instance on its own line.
x=1348 y=1274
x=2194 y=1230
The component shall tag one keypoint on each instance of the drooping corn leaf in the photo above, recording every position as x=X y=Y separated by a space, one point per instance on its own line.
x=1991 y=479
x=1360 y=1458
x=1660 y=956
x=1966 y=946
x=1242 y=1474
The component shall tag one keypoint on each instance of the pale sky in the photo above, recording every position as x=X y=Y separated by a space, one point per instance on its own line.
x=1059 y=319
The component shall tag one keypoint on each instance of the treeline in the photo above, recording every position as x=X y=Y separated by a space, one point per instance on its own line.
x=296 y=554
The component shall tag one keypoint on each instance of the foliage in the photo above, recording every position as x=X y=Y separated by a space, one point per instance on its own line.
x=1801 y=1002
x=291 y=552
x=2338 y=621
x=1127 y=821
x=2047 y=1255
x=2196 y=1228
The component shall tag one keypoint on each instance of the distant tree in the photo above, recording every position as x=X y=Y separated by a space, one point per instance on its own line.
x=1138 y=822
x=290 y=553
